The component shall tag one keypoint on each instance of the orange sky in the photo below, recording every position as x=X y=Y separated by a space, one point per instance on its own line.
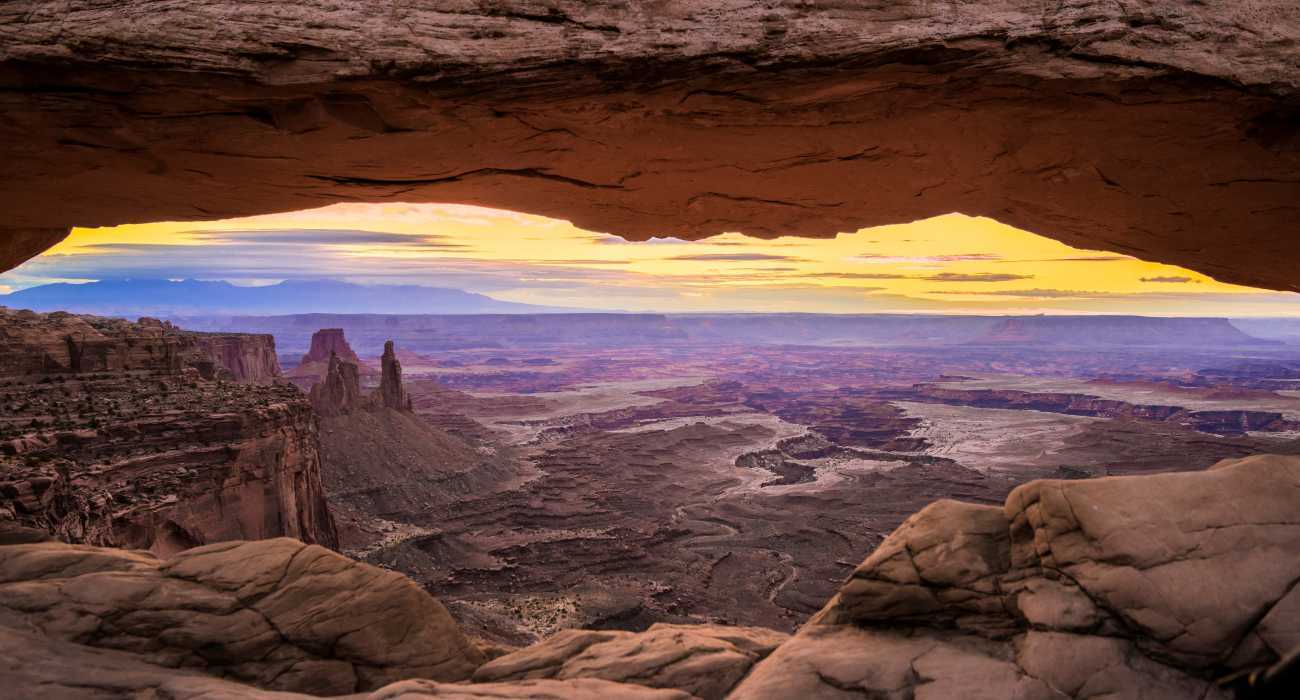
x=953 y=264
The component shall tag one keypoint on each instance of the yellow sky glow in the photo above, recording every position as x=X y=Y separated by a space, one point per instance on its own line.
x=952 y=263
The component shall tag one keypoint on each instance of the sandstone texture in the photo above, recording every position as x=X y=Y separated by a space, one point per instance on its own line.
x=1126 y=587
x=339 y=390
x=391 y=393
x=127 y=434
x=1160 y=129
x=62 y=343
x=277 y=614
x=705 y=660
x=33 y=665
x=315 y=364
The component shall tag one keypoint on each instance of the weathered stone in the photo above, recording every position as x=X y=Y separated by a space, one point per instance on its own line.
x=278 y=614
x=1125 y=587
x=35 y=666
x=314 y=366
x=339 y=391
x=391 y=392
x=577 y=689
x=1189 y=563
x=62 y=343
x=127 y=434
x=704 y=660
x=1105 y=125
x=941 y=565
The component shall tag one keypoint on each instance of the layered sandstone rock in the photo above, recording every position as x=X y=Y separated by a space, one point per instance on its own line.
x=391 y=393
x=339 y=391
x=33 y=665
x=1126 y=587
x=61 y=343
x=122 y=434
x=241 y=357
x=704 y=660
x=1106 y=125
x=336 y=390
x=1223 y=422
x=277 y=614
x=1132 y=587
x=326 y=344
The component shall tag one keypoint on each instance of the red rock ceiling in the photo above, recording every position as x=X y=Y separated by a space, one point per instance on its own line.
x=1170 y=132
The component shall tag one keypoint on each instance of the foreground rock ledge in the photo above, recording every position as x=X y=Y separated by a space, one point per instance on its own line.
x=1125 y=587
x=278 y=614
x=1161 y=129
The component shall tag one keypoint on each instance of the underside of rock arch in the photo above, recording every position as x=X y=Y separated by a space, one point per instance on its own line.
x=1164 y=130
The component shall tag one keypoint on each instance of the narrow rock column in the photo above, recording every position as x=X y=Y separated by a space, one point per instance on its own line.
x=391 y=392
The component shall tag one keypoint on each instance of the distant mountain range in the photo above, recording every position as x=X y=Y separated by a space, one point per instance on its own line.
x=155 y=297
x=428 y=333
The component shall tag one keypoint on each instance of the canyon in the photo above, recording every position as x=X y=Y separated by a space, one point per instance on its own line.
x=587 y=506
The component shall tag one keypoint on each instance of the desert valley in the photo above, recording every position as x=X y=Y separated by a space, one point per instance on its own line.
x=605 y=472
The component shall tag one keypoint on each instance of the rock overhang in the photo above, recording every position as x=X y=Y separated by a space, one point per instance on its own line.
x=1169 y=132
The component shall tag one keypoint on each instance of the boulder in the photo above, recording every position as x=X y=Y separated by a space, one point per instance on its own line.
x=35 y=666
x=1125 y=587
x=704 y=660
x=277 y=614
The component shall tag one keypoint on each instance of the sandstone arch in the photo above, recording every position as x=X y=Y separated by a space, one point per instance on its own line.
x=1160 y=129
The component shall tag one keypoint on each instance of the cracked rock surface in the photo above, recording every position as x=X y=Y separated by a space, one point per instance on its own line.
x=33 y=665
x=1128 y=587
x=1156 y=128
x=1123 y=587
x=277 y=614
x=704 y=660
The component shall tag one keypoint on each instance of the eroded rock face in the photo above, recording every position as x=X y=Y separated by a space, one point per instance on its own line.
x=33 y=665
x=62 y=343
x=1132 y=587
x=126 y=434
x=391 y=393
x=277 y=614
x=326 y=344
x=339 y=391
x=1165 y=130
x=704 y=660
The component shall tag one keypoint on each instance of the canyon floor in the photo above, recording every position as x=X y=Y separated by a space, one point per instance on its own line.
x=613 y=487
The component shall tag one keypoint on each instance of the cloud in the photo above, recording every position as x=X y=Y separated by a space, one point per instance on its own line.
x=733 y=257
x=1034 y=293
x=857 y=275
x=325 y=237
x=1077 y=258
x=875 y=258
x=572 y=261
x=1168 y=280
x=976 y=277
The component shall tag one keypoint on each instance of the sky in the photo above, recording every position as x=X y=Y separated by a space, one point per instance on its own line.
x=946 y=264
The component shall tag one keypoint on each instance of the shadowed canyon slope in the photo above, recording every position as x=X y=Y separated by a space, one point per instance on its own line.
x=1160 y=129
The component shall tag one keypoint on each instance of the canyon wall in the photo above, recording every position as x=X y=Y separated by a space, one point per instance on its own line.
x=1160 y=129
x=58 y=343
x=243 y=357
x=113 y=434
x=1221 y=422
